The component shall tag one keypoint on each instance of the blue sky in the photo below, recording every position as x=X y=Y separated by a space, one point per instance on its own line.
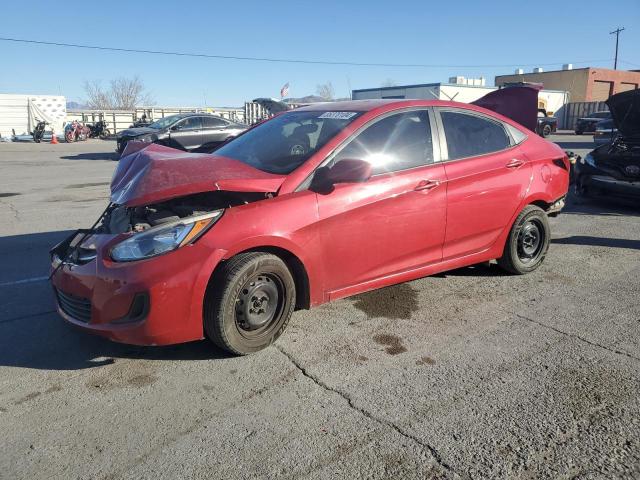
x=461 y=32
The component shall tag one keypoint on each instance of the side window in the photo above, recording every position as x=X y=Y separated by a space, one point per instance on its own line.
x=190 y=123
x=397 y=142
x=213 y=122
x=471 y=135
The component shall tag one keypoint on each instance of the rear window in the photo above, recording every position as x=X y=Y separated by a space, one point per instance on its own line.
x=472 y=135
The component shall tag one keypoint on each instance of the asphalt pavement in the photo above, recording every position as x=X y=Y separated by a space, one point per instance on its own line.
x=468 y=374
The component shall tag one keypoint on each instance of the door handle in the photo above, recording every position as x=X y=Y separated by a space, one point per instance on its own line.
x=427 y=185
x=515 y=163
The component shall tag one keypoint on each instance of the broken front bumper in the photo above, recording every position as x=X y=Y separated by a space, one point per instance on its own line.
x=157 y=301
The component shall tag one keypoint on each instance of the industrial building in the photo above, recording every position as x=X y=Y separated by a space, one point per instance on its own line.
x=459 y=89
x=583 y=84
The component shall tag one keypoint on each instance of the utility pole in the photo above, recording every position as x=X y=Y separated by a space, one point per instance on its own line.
x=617 y=32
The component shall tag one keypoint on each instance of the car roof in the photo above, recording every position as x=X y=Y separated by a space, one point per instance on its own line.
x=368 y=105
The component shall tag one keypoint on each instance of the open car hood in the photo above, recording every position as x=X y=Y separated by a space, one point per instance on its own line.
x=518 y=102
x=625 y=111
x=272 y=106
x=150 y=173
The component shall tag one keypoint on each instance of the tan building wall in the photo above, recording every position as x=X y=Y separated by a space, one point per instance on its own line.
x=583 y=84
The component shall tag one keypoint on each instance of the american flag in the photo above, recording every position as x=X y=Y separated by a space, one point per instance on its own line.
x=284 y=91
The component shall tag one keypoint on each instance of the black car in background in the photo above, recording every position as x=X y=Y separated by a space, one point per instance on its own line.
x=588 y=124
x=185 y=131
x=613 y=169
x=605 y=132
x=546 y=124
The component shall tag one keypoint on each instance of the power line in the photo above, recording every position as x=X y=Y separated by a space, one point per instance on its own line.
x=630 y=63
x=279 y=60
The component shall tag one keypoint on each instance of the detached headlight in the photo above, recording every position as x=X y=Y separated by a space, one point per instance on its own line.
x=164 y=238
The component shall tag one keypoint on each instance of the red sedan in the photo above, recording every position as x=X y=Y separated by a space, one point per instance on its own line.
x=313 y=205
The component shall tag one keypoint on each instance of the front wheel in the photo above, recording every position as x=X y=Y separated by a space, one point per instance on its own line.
x=546 y=131
x=70 y=137
x=249 y=302
x=528 y=242
x=105 y=134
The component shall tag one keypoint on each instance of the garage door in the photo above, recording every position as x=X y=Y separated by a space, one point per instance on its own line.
x=601 y=91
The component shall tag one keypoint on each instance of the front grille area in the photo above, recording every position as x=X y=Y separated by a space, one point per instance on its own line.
x=76 y=307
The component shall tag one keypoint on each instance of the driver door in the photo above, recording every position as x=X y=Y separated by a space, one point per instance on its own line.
x=187 y=133
x=393 y=222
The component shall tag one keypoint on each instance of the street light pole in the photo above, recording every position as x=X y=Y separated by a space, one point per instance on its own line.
x=617 y=32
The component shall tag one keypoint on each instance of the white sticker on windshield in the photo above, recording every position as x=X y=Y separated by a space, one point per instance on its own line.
x=338 y=115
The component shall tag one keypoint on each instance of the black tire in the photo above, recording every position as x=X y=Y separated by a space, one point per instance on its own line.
x=546 y=131
x=240 y=286
x=528 y=242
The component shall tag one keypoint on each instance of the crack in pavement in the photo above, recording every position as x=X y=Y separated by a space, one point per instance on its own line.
x=578 y=337
x=13 y=209
x=434 y=453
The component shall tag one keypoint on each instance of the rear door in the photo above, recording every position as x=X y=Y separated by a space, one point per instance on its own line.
x=187 y=133
x=396 y=220
x=487 y=178
x=214 y=130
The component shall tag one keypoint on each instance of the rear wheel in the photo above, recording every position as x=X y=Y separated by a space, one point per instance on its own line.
x=528 y=242
x=249 y=302
x=546 y=131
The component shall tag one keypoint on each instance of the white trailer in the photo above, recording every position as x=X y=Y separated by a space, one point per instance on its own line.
x=20 y=113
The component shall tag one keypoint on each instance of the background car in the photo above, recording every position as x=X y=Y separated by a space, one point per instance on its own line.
x=605 y=132
x=546 y=124
x=185 y=131
x=588 y=124
x=613 y=168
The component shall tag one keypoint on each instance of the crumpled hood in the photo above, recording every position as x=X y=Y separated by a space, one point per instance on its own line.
x=150 y=173
x=625 y=110
x=137 y=131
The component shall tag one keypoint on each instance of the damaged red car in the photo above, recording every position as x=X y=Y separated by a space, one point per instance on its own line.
x=315 y=204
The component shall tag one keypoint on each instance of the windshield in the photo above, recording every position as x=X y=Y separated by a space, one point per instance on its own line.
x=165 y=122
x=285 y=142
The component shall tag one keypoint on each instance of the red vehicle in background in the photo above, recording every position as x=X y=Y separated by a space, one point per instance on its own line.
x=315 y=204
x=76 y=131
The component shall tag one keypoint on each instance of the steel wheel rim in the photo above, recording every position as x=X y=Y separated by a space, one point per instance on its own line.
x=259 y=304
x=531 y=240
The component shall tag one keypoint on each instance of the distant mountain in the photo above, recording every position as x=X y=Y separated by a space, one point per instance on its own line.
x=76 y=106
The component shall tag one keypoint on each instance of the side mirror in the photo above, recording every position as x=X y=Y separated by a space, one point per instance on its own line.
x=175 y=128
x=344 y=171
